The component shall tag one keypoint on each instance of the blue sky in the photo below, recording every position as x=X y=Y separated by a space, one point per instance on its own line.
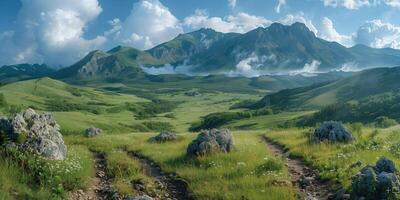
x=58 y=32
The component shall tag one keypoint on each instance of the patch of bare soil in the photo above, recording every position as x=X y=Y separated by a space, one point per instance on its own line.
x=100 y=185
x=304 y=177
x=176 y=188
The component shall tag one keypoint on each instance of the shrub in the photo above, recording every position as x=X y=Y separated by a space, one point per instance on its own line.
x=158 y=126
x=216 y=120
x=243 y=104
x=145 y=110
x=384 y=122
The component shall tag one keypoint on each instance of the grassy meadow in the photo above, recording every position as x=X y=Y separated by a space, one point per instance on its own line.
x=339 y=162
x=130 y=119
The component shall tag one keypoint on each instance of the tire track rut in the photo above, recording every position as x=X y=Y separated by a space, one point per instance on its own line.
x=177 y=188
x=304 y=177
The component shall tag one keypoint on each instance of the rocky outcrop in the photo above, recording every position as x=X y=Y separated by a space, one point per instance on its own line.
x=193 y=93
x=142 y=197
x=33 y=132
x=376 y=182
x=92 y=131
x=164 y=137
x=209 y=141
x=332 y=131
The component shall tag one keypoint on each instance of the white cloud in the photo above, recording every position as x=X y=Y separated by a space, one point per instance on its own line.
x=349 y=4
x=232 y=3
x=299 y=17
x=149 y=23
x=240 y=23
x=378 y=34
x=329 y=33
x=278 y=7
x=51 y=32
x=356 y=4
x=393 y=3
x=309 y=69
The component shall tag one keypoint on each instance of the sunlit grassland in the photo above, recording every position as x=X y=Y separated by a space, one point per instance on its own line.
x=28 y=177
x=246 y=172
x=193 y=108
x=338 y=162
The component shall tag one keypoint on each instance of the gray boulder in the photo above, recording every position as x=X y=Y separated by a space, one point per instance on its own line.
x=332 y=131
x=376 y=182
x=193 y=93
x=164 y=137
x=92 y=131
x=209 y=141
x=37 y=133
x=142 y=197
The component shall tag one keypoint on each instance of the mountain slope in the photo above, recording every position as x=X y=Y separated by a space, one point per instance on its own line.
x=363 y=84
x=277 y=49
x=12 y=73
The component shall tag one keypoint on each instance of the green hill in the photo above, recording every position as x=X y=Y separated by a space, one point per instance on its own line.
x=76 y=108
x=12 y=73
x=356 y=87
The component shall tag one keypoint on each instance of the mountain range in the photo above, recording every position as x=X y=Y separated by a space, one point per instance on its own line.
x=277 y=49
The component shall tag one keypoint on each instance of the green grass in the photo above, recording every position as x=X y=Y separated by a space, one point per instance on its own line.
x=24 y=176
x=243 y=172
x=336 y=161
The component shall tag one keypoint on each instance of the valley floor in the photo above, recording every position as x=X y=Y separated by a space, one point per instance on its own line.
x=269 y=161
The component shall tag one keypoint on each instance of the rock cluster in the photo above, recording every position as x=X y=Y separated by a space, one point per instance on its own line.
x=164 y=137
x=33 y=132
x=209 y=141
x=192 y=93
x=376 y=182
x=332 y=131
x=92 y=131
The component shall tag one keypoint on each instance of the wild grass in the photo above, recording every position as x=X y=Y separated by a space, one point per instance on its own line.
x=30 y=177
x=124 y=171
x=339 y=162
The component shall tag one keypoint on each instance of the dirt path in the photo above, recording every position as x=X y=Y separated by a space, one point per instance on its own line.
x=303 y=177
x=100 y=186
x=177 y=188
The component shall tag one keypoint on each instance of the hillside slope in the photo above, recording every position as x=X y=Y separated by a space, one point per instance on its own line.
x=363 y=84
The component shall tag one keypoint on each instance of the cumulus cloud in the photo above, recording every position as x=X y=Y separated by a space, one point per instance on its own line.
x=50 y=32
x=349 y=4
x=299 y=17
x=278 y=7
x=149 y=23
x=356 y=4
x=378 y=34
x=309 y=69
x=240 y=23
x=393 y=3
x=232 y=3
x=328 y=32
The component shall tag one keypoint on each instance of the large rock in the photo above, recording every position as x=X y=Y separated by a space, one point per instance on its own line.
x=332 y=131
x=92 y=131
x=209 y=141
x=37 y=133
x=376 y=182
x=142 y=197
x=164 y=137
x=193 y=93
